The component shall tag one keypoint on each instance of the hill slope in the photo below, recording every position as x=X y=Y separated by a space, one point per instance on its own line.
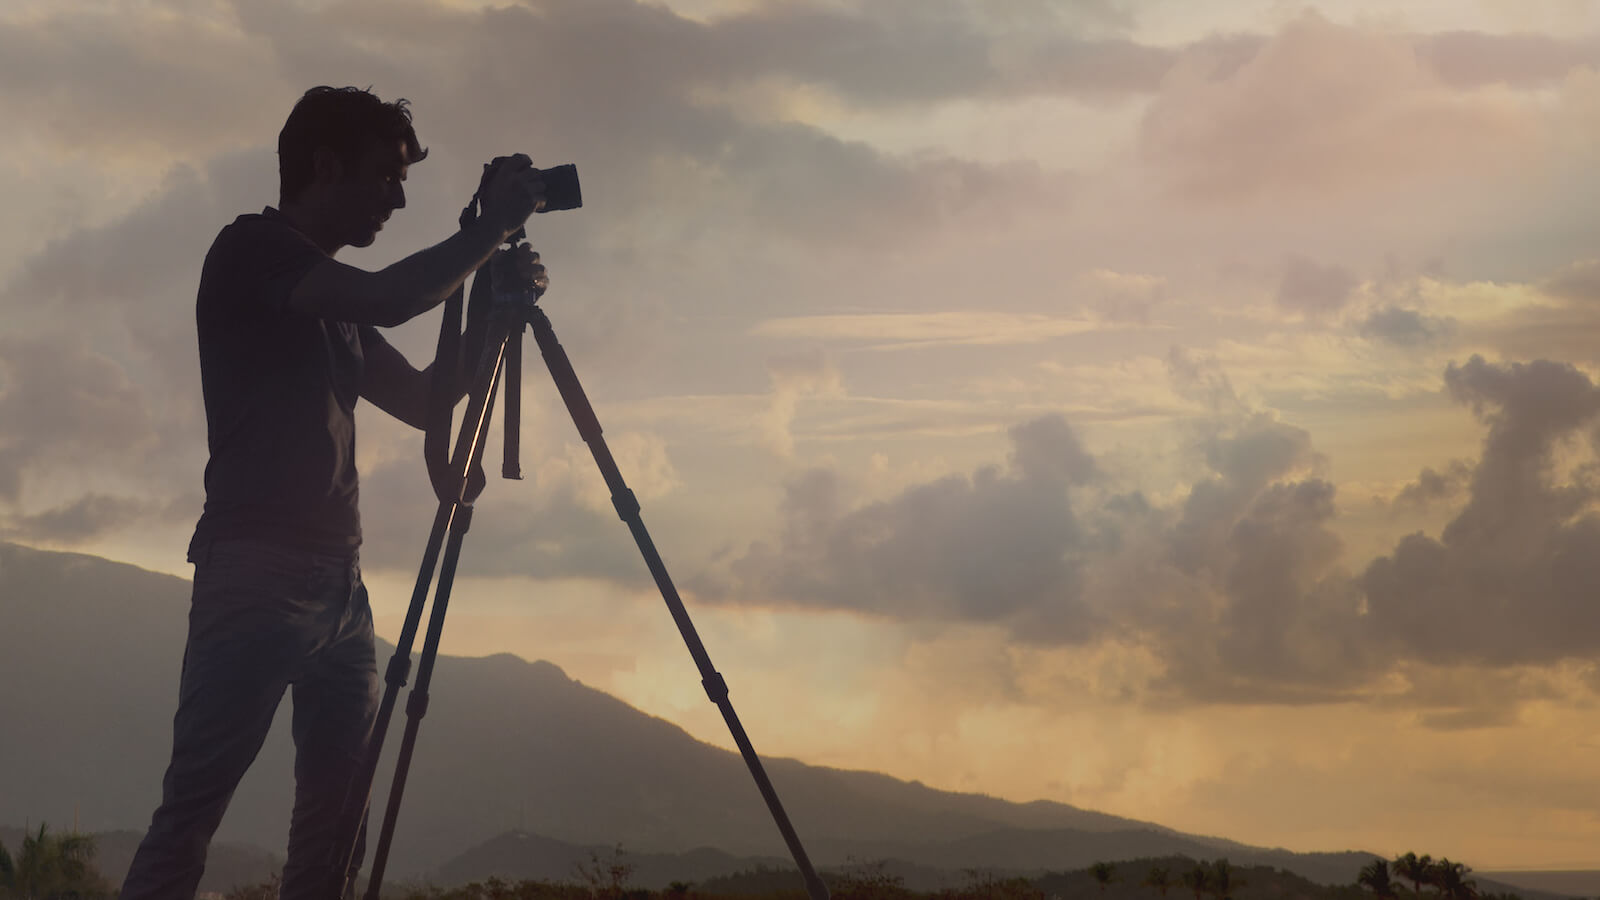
x=93 y=647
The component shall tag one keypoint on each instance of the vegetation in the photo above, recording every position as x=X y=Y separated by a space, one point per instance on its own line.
x=52 y=867
x=609 y=879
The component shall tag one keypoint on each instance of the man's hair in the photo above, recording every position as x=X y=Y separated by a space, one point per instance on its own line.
x=345 y=120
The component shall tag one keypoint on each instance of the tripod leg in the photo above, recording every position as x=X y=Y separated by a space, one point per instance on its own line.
x=457 y=517
x=358 y=797
x=628 y=508
x=417 y=701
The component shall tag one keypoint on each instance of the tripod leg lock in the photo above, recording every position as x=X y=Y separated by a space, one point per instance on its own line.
x=716 y=688
x=417 y=704
x=399 y=670
x=626 y=503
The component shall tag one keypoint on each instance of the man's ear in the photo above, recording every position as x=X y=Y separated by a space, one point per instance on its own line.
x=326 y=166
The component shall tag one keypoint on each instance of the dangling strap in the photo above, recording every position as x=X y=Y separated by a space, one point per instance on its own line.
x=442 y=388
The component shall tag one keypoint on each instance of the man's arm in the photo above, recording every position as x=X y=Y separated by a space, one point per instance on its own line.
x=421 y=281
x=391 y=383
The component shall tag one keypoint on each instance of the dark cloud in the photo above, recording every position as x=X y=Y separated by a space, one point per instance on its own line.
x=95 y=515
x=1434 y=486
x=999 y=546
x=1472 y=59
x=1313 y=288
x=1404 y=327
x=62 y=404
x=1513 y=576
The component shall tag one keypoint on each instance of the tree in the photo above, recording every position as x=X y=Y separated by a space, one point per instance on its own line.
x=1223 y=881
x=1104 y=873
x=1198 y=879
x=50 y=865
x=1159 y=878
x=1415 y=869
x=1452 y=881
x=1375 y=878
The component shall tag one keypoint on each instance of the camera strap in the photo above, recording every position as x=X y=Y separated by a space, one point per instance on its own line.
x=448 y=373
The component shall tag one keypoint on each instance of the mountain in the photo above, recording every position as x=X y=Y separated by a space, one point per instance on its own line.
x=90 y=651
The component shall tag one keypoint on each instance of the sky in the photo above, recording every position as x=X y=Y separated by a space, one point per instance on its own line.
x=1189 y=411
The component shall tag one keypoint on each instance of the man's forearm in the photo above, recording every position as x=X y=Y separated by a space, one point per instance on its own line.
x=424 y=279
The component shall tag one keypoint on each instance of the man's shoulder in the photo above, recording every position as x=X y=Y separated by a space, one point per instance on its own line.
x=257 y=255
x=268 y=225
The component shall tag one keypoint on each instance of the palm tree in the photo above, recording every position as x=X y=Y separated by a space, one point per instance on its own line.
x=1415 y=869
x=1223 y=881
x=49 y=865
x=1159 y=878
x=1375 y=877
x=1198 y=879
x=1450 y=878
x=1103 y=873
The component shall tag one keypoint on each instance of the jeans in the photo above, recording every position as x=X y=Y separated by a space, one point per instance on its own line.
x=263 y=617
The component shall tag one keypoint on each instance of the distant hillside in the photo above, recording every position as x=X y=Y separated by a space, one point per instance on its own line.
x=93 y=648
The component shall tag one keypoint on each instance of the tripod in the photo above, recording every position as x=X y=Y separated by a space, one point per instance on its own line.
x=457 y=485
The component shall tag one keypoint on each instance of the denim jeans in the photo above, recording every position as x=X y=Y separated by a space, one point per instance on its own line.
x=263 y=617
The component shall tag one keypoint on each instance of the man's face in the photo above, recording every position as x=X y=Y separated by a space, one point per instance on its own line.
x=367 y=196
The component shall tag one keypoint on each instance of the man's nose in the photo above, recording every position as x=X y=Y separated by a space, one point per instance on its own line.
x=397 y=197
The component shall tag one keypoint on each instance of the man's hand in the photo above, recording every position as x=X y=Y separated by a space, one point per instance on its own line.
x=518 y=270
x=514 y=192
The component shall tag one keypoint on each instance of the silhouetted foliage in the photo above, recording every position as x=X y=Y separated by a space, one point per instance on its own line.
x=1375 y=878
x=868 y=881
x=52 y=867
x=1160 y=878
x=1416 y=869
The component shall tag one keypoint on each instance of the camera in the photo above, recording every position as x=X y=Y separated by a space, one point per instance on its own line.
x=561 y=189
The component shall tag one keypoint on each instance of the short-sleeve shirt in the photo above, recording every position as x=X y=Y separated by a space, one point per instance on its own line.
x=280 y=394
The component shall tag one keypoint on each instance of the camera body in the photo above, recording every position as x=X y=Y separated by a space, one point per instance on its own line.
x=561 y=190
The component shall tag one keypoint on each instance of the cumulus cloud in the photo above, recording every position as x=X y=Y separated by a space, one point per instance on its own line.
x=1511 y=578
x=1433 y=486
x=1236 y=590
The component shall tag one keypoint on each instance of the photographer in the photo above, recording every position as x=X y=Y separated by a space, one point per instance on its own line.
x=288 y=343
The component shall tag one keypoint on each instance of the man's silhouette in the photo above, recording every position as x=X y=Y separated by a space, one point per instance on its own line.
x=288 y=343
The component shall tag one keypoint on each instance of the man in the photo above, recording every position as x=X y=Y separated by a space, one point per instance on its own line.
x=287 y=345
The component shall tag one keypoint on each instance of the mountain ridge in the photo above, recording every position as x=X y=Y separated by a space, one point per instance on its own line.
x=574 y=763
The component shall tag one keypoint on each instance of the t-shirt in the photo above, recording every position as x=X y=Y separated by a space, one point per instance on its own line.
x=280 y=394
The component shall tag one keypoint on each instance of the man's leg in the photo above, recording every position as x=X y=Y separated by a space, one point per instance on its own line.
x=335 y=702
x=244 y=642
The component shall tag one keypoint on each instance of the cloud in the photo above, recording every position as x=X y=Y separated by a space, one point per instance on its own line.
x=95 y=515
x=1511 y=578
x=891 y=331
x=998 y=546
x=1433 y=486
x=794 y=377
x=62 y=404
x=1578 y=282
x=1404 y=327
x=1320 y=108
x=1313 y=288
x=1472 y=59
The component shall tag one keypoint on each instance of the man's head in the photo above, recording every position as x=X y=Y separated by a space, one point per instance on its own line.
x=342 y=156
